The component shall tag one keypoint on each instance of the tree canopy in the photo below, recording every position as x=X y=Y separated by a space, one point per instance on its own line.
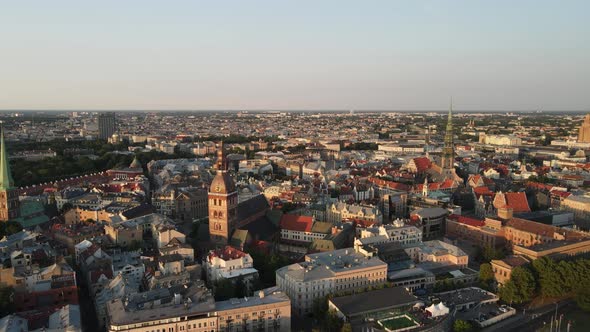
x=462 y=326
x=520 y=288
x=486 y=275
x=564 y=278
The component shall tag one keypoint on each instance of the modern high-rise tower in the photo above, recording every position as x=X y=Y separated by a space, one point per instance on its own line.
x=223 y=203
x=584 y=133
x=9 y=203
x=107 y=125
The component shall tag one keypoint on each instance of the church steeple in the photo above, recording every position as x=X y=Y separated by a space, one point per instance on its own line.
x=9 y=204
x=221 y=161
x=6 y=181
x=448 y=156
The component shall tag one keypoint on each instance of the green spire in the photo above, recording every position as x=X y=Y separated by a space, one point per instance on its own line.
x=6 y=181
x=450 y=117
x=449 y=147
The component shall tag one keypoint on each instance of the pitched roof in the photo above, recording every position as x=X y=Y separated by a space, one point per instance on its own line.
x=516 y=201
x=226 y=253
x=482 y=191
x=422 y=163
x=261 y=229
x=531 y=227
x=515 y=261
x=296 y=223
x=252 y=206
x=390 y=184
x=467 y=220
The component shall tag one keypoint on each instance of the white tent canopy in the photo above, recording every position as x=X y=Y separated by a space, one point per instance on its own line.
x=438 y=309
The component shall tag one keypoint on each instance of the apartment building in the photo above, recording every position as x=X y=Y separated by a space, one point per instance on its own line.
x=192 y=309
x=326 y=273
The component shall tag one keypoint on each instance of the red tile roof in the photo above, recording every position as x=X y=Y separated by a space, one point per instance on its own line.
x=538 y=185
x=467 y=220
x=422 y=163
x=562 y=194
x=518 y=202
x=483 y=191
x=390 y=184
x=296 y=223
x=226 y=253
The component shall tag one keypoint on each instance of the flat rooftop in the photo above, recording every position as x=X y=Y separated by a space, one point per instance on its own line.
x=235 y=303
x=465 y=295
x=377 y=300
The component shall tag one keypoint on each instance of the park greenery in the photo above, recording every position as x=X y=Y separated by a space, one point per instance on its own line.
x=567 y=278
x=267 y=265
x=462 y=326
x=520 y=288
x=66 y=165
x=361 y=146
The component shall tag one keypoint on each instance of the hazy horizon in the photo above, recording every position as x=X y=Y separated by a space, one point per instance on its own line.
x=500 y=56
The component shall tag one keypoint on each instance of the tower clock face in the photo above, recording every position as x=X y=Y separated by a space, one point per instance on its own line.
x=217 y=188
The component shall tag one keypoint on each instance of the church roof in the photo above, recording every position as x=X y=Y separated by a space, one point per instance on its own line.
x=252 y=206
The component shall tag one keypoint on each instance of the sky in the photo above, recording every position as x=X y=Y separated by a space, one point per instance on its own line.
x=294 y=55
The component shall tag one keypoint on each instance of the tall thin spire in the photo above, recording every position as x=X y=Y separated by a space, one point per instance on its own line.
x=450 y=117
x=448 y=155
x=221 y=162
x=6 y=181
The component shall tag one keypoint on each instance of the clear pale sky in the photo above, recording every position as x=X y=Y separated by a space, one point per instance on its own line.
x=246 y=54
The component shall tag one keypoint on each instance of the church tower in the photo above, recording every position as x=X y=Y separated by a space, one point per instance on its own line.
x=9 y=204
x=448 y=155
x=223 y=202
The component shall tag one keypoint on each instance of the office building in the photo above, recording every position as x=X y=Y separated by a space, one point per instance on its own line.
x=107 y=125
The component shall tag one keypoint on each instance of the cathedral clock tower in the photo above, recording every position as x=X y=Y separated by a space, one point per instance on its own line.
x=223 y=202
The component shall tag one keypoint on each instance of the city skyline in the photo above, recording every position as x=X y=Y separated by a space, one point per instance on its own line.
x=294 y=56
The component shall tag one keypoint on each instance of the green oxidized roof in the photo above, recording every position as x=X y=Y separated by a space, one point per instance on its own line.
x=32 y=213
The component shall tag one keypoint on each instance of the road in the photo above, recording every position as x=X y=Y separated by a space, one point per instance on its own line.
x=527 y=321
